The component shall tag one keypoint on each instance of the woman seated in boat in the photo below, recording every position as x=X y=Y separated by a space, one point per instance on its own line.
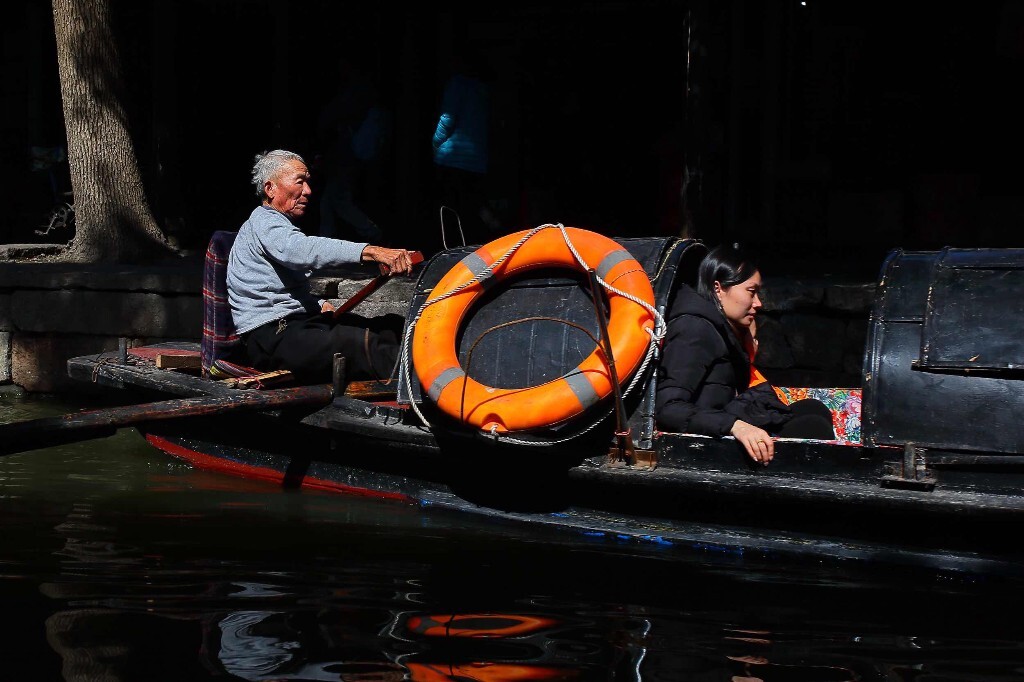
x=707 y=383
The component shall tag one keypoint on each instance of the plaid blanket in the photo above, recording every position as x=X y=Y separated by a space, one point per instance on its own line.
x=219 y=338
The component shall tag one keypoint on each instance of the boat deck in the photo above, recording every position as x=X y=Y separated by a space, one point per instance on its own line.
x=841 y=472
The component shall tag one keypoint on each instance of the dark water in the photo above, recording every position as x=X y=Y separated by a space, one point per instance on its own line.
x=118 y=563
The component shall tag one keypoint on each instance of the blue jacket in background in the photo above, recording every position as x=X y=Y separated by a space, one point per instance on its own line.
x=460 y=140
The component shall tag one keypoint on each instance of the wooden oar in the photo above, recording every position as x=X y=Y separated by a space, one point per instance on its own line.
x=373 y=285
x=67 y=428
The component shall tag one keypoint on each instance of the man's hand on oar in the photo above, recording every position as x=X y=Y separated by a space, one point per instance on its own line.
x=374 y=284
x=396 y=261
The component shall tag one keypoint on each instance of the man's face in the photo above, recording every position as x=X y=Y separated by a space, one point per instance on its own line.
x=287 y=191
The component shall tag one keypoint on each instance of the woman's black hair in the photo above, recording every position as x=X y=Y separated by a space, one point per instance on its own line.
x=726 y=264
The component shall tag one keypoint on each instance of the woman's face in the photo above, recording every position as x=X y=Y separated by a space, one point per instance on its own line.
x=741 y=302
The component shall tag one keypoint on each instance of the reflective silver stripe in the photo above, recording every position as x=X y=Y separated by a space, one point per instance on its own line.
x=611 y=260
x=443 y=379
x=478 y=265
x=582 y=387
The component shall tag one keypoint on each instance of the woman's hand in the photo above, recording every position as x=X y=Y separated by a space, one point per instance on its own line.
x=757 y=442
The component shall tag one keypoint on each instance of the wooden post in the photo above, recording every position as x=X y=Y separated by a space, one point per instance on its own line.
x=338 y=374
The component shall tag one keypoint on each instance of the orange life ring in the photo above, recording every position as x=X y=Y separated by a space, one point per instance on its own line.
x=436 y=361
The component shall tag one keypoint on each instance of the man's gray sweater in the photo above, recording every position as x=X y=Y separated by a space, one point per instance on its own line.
x=269 y=268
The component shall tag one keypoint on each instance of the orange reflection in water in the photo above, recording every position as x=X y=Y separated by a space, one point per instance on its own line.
x=477 y=625
x=486 y=672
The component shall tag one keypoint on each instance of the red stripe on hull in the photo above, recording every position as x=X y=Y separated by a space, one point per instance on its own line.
x=221 y=465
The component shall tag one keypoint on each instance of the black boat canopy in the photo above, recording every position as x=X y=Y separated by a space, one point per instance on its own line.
x=944 y=362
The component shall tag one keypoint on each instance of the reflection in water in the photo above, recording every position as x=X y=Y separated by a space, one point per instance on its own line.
x=117 y=563
x=253 y=649
x=518 y=646
x=266 y=645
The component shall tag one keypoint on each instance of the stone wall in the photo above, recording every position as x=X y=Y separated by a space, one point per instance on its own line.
x=49 y=312
x=5 y=357
x=811 y=332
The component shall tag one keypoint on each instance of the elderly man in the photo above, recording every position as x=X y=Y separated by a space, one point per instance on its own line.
x=281 y=323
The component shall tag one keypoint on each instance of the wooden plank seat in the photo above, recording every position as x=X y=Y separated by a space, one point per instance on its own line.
x=185 y=357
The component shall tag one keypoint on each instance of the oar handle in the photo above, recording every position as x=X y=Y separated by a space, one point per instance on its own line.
x=372 y=286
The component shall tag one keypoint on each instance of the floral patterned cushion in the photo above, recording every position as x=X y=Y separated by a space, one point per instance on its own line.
x=844 y=403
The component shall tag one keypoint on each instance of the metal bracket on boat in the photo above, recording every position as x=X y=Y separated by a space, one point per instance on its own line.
x=623 y=451
x=645 y=459
x=620 y=456
x=912 y=472
x=641 y=459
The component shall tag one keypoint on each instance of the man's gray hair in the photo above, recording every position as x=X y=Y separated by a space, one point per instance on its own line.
x=268 y=165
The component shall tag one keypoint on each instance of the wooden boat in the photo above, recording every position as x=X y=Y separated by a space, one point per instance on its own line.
x=929 y=468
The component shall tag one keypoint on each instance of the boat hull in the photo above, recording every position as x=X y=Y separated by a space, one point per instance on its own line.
x=921 y=481
x=722 y=506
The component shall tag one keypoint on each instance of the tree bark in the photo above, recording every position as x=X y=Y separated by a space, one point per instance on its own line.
x=113 y=220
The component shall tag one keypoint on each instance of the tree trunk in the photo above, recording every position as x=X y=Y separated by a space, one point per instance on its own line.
x=113 y=221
